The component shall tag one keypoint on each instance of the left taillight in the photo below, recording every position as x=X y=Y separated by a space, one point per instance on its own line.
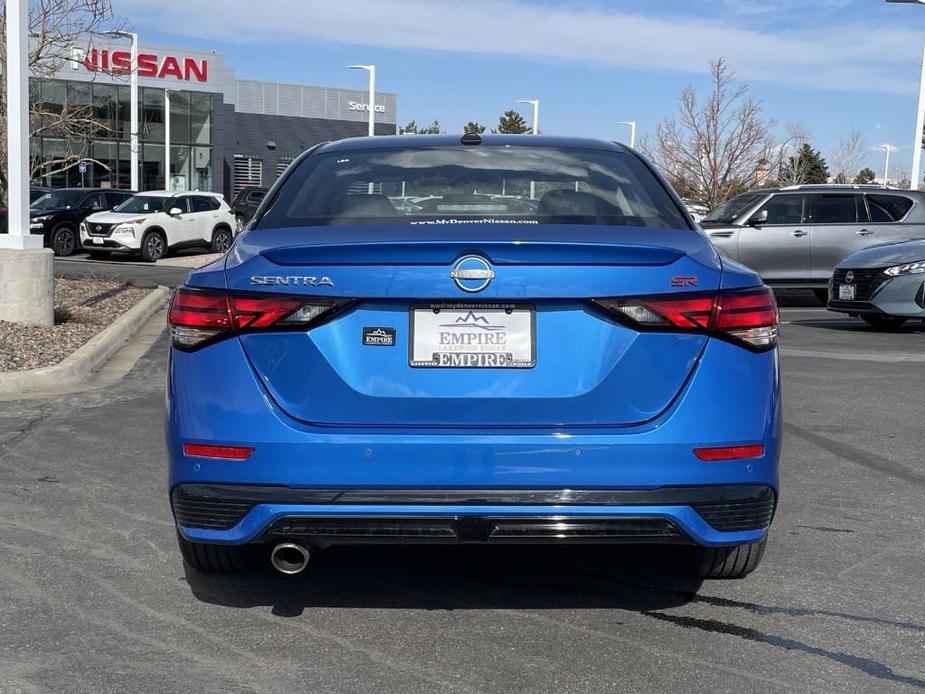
x=749 y=317
x=198 y=316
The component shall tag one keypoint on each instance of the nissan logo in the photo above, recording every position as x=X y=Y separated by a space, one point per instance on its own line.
x=99 y=228
x=849 y=276
x=472 y=273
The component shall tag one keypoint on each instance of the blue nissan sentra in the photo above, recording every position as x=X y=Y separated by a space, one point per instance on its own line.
x=476 y=339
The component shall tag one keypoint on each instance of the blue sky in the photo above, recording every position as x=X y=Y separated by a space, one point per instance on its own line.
x=827 y=65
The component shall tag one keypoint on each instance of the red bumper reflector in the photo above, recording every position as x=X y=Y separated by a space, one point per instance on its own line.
x=206 y=450
x=730 y=452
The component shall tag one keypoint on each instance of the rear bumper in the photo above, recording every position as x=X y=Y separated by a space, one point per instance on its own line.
x=214 y=397
x=708 y=515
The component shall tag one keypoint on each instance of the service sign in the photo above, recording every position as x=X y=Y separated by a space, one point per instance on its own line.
x=473 y=336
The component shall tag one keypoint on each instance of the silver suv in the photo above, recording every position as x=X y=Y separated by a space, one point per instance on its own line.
x=794 y=237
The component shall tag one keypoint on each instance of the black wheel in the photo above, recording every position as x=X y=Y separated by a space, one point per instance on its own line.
x=153 y=246
x=64 y=240
x=213 y=558
x=879 y=322
x=822 y=295
x=221 y=240
x=729 y=562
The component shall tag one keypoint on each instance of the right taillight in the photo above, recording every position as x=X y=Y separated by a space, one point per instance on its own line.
x=199 y=316
x=748 y=316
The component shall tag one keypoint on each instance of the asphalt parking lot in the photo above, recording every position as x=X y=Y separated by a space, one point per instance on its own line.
x=95 y=597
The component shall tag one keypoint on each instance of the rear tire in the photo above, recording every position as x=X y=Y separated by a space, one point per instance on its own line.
x=64 y=240
x=153 y=246
x=222 y=238
x=878 y=322
x=822 y=295
x=213 y=558
x=730 y=562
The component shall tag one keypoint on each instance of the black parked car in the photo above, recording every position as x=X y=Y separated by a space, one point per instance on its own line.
x=58 y=214
x=245 y=203
x=35 y=192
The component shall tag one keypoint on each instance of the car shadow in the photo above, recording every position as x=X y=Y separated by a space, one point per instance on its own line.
x=858 y=326
x=797 y=298
x=458 y=578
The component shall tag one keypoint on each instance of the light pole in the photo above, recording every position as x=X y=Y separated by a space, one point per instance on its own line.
x=133 y=88
x=632 y=125
x=886 y=164
x=536 y=114
x=371 y=69
x=916 y=176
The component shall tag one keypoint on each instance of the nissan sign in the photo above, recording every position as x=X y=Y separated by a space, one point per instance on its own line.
x=149 y=64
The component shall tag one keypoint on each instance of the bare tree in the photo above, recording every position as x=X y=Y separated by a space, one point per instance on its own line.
x=55 y=28
x=848 y=156
x=717 y=147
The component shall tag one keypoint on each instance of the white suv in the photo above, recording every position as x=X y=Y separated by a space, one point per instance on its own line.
x=158 y=221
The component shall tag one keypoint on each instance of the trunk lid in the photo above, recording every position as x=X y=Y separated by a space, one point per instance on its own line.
x=586 y=368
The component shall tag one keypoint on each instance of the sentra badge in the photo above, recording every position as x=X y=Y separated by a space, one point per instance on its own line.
x=291 y=281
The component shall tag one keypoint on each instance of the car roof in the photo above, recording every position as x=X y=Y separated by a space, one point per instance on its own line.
x=174 y=193
x=833 y=188
x=425 y=141
x=78 y=189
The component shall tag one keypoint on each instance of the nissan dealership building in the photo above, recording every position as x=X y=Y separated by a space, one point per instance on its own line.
x=225 y=132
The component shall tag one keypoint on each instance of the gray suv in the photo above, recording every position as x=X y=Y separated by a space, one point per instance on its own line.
x=795 y=236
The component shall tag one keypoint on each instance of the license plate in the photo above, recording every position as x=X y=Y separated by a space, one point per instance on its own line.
x=473 y=336
x=846 y=292
x=98 y=242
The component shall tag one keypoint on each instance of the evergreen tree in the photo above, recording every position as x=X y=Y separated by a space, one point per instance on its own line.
x=806 y=166
x=474 y=127
x=865 y=176
x=432 y=129
x=511 y=123
x=410 y=129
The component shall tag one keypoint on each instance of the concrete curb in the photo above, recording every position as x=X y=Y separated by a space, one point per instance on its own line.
x=86 y=360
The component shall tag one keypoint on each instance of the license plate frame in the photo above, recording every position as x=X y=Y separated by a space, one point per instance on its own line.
x=847 y=292
x=492 y=356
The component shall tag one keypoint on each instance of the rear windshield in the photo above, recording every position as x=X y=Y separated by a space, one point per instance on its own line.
x=473 y=185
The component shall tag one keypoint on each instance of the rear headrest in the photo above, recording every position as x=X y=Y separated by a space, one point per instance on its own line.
x=374 y=205
x=568 y=203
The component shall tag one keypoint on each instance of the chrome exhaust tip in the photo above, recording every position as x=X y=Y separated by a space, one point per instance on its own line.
x=289 y=558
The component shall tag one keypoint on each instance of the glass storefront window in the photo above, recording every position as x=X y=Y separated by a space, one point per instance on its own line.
x=152 y=167
x=103 y=171
x=125 y=112
x=124 y=176
x=179 y=168
x=202 y=168
x=201 y=118
x=52 y=150
x=54 y=93
x=78 y=94
x=151 y=127
x=108 y=155
x=106 y=109
x=179 y=117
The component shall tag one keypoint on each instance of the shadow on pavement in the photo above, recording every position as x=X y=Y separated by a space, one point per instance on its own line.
x=797 y=298
x=855 y=325
x=459 y=578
